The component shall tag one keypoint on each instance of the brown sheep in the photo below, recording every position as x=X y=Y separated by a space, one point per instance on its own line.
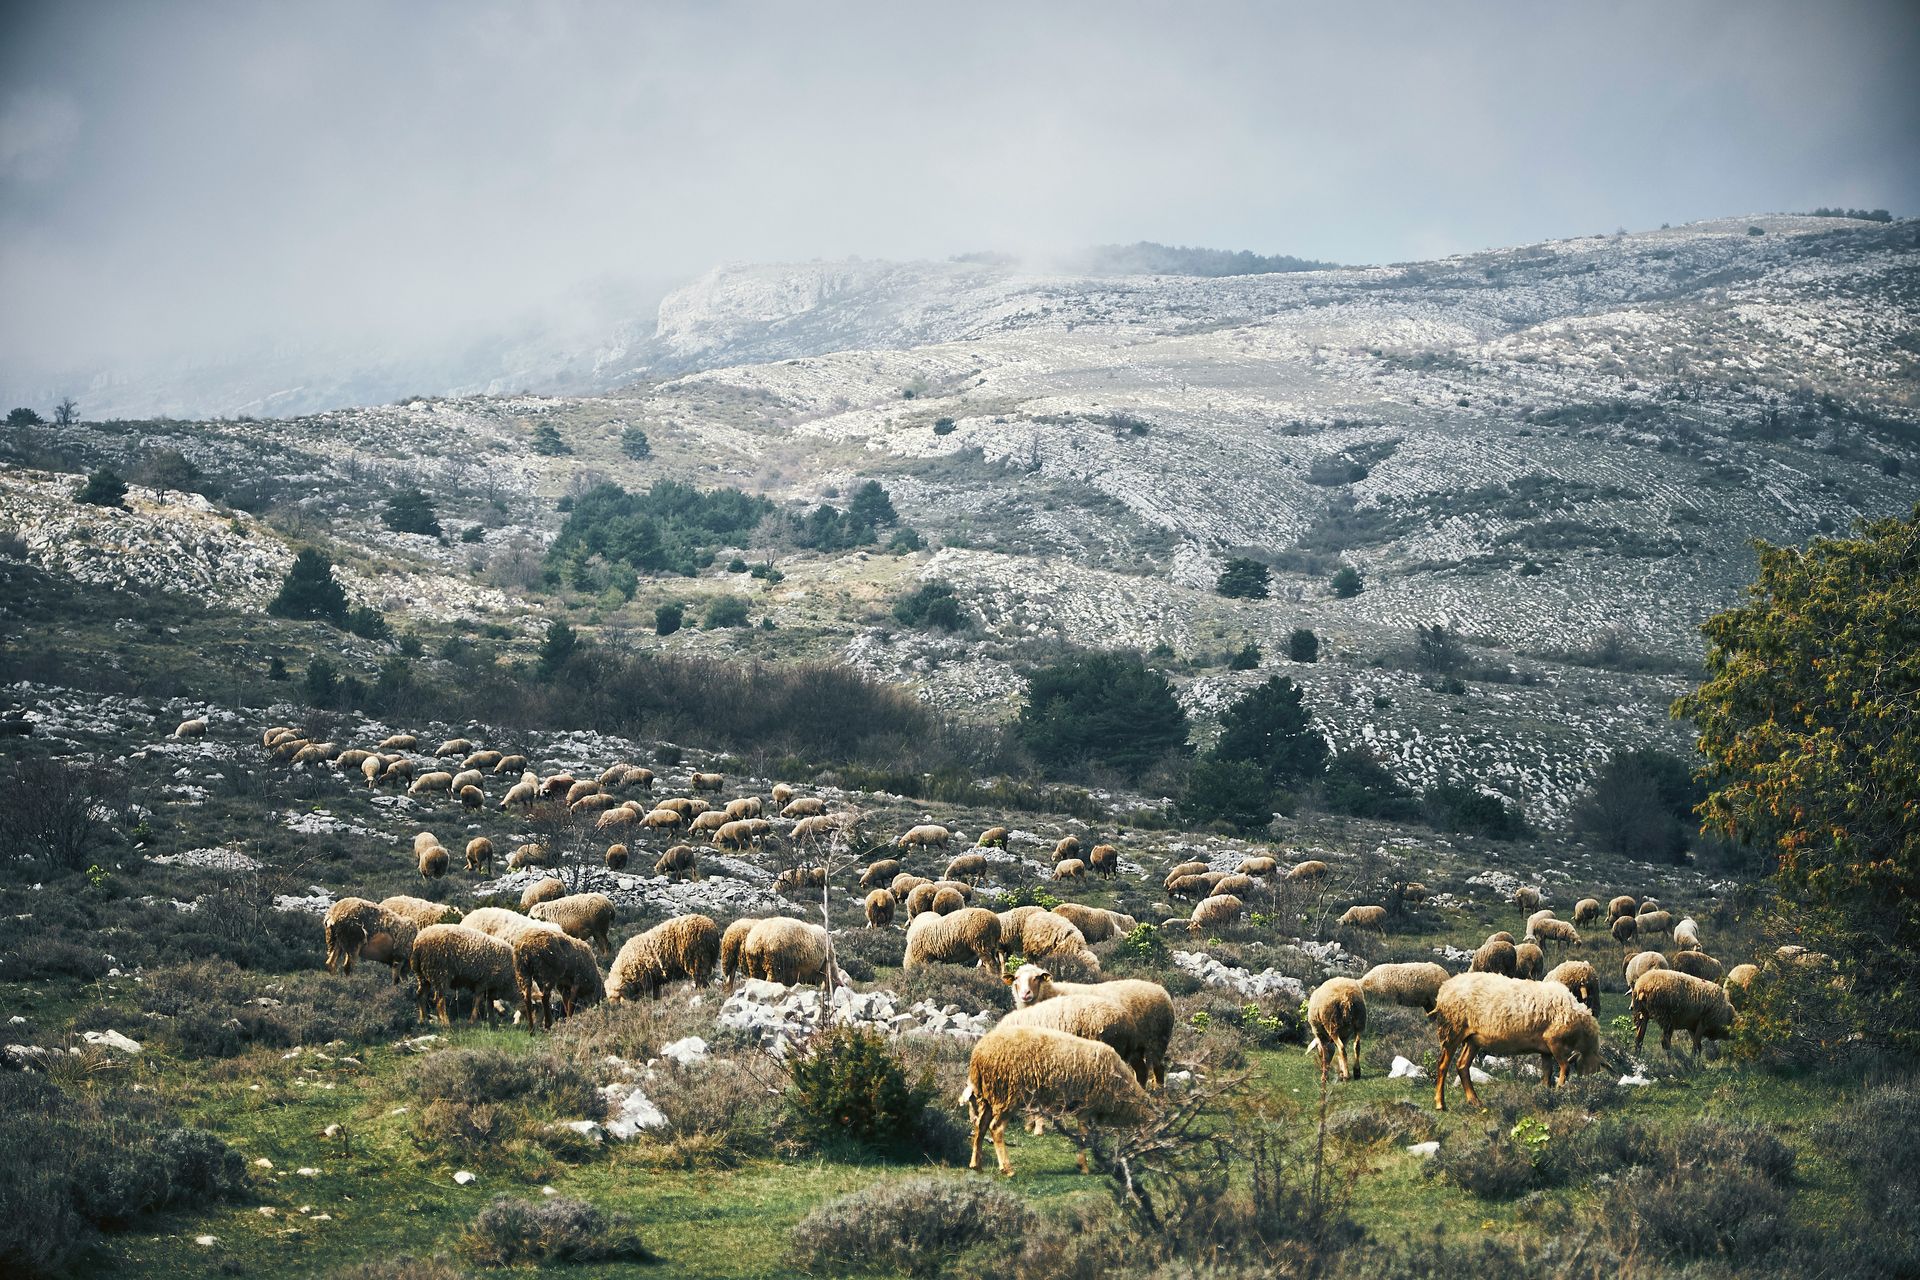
x=804 y=807
x=1578 y=977
x=928 y=835
x=1262 y=866
x=678 y=863
x=1211 y=913
x=1096 y=923
x=780 y=793
x=433 y=863
x=1642 y=963
x=399 y=742
x=969 y=935
x=509 y=764
x=545 y=890
x=1527 y=899
x=451 y=958
x=790 y=952
x=711 y=820
x=1699 y=964
x=904 y=884
x=684 y=947
x=636 y=779
x=880 y=906
x=1624 y=905
x=1181 y=872
x=1529 y=961
x=426 y=782
x=1479 y=1013
x=744 y=807
x=586 y=916
x=1066 y=847
x=880 y=874
x=527 y=855
x=1104 y=859
x=581 y=790
x=454 y=747
x=1586 y=910
x=968 y=866
x=1680 y=1002
x=1037 y=1068
x=555 y=964
x=993 y=838
x=1069 y=869
x=471 y=797
x=947 y=901
x=1494 y=956
x=616 y=857
x=1624 y=928
x=707 y=781
x=480 y=855
x=1337 y=1017
x=1192 y=888
x=920 y=900
x=614 y=817
x=1365 y=917
x=731 y=940
x=663 y=819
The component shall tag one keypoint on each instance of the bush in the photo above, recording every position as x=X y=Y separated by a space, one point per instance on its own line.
x=668 y=617
x=557 y=1229
x=931 y=604
x=1357 y=784
x=972 y=988
x=493 y=1075
x=917 y=1227
x=547 y=441
x=1271 y=729
x=1346 y=582
x=310 y=591
x=1246 y=658
x=1230 y=791
x=848 y=1089
x=726 y=611
x=55 y=811
x=943 y=426
x=103 y=489
x=1101 y=708
x=1244 y=579
x=1490 y=1163
x=1303 y=646
x=671 y=528
x=1464 y=807
x=634 y=443
x=367 y=624
x=473 y=533
x=1640 y=804
x=410 y=511
x=906 y=541
x=1792 y=1016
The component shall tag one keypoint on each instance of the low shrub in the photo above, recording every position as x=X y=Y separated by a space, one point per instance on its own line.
x=717 y=1111
x=493 y=1075
x=972 y=988
x=918 y=1227
x=557 y=1229
x=214 y=1009
x=1489 y=1162
x=849 y=1090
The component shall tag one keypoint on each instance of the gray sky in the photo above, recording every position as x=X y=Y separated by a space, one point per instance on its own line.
x=180 y=178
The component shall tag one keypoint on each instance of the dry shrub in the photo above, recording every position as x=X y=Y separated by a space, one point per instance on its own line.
x=557 y=1229
x=921 y=1227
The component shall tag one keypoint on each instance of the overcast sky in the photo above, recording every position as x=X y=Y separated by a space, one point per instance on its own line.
x=180 y=178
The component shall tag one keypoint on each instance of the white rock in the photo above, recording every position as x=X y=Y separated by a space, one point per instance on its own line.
x=590 y=1129
x=206 y=1242
x=463 y=1177
x=1405 y=1069
x=308 y=1172
x=1425 y=1150
x=1637 y=1080
x=263 y=1163
x=111 y=1040
x=1478 y=1076
x=633 y=1112
x=691 y=1049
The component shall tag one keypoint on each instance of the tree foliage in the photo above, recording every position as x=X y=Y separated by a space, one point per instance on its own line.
x=410 y=511
x=1230 y=791
x=1640 y=804
x=931 y=604
x=671 y=528
x=1346 y=582
x=1271 y=729
x=1102 y=708
x=1303 y=645
x=1810 y=722
x=1244 y=579
x=634 y=443
x=103 y=489
x=310 y=591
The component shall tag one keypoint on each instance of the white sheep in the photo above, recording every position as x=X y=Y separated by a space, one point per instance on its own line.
x=1413 y=985
x=1147 y=1004
x=1337 y=1017
x=586 y=916
x=1477 y=1013
x=452 y=958
x=969 y=935
x=1037 y=1069
x=1680 y=1002
x=684 y=947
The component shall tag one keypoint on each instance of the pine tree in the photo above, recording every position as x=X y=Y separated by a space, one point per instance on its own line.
x=1271 y=729
x=310 y=591
x=103 y=489
x=871 y=506
x=1244 y=579
x=410 y=511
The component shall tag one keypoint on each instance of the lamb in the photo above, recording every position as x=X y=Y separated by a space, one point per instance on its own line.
x=508 y=926
x=399 y=742
x=1526 y=899
x=433 y=863
x=731 y=940
x=993 y=838
x=1680 y=1002
x=1181 y=872
x=927 y=835
x=556 y=964
x=1642 y=963
x=1624 y=905
x=1036 y=1068
x=546 y=890
x=1211 y=913
x=904 y=884
x=684 y=947
x=1308 y=872
x=195 y=728
x=879 y=874
x=790 y=952
x=1069 y=869
x=946 y=901
x=1624 y=928
x=527 y=855
x=1529 y=961
x=509 y=764
x=1053 y=940
x=678 y=863
x=969 y=935
x=880 y=906
x=1479 y=1013
x=1262 y=866
x=1337 y=1016
x=1147 y=1003
x=1367 y=917
x=1699 y=964
x=1586 y=910
x=804 y=807
x=968 y=866
x=616 y=858
x=420 y=910
x=744 y=807
x=1580 y=978
x=454 y=747
x=1096 y=924
x=1413 y=985
x=586 y=916
x=437 y=781
x=452 y=958
x=1554 y=931
x=1104 y=859
x=707 y=781
x=356 y=928
x=1066 y=847
x=1494 y=956
x=1686 y=934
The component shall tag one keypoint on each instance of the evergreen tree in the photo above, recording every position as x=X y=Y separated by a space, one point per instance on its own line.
x=559 y=646
x=1244 y=579
x=547 y=441
x=1230 y=791
x=322 y=683
x=634 y=443
x=310 y=591
x=871 y=506
x=1102 y=708
x=668 y=617
x=103 y=489
x=1346 y=582
x=1271 y=730
x=410 y=511
x=1303 y=645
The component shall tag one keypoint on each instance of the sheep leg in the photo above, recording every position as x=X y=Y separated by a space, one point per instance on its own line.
x=1639 y=1029
x=1440 y=1078
x=998 y=1131
x=1666 y=1040
x=1340 y=1052
x=1353 y=1054
x=976 y=1112
x=1465 y=1059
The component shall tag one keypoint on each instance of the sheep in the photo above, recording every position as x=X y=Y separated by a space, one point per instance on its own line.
x=1554 y=931
x=904 y=884
x=1642 y=963
x=1013 y=921
x=1308 y=872
x=356 y=928
x=790 y=952
x=1053 y=940
x=1686 y=934
x=1494 y=956
x=1181 y=872
x=1653 y=923
x=707 y=781
x=1036 y=1068
x=663 y=819
x=545 y=890
x=1534 y=919
x=1412 y=891
x=354 y=758
x=1262 y=866
x=1502 y=936
x=586 y=916
x=195 y=728
x=737 y=834
x=509 y=764
x=804 y=807
x=1069 y=869
x=399 y=742
x=615 y=818
x=436 y=781
x=1104 y=859
x=731 y=940
x=636 y=779
x=453 y=747
x=1624 y=928
x=686 y=946
x=1586 y=910
x=1477 y=1013
x=398 y=771
x=1699 y=964
x=508 y=926
x=711 y=820
x=993 y=838
x=780 y=793
x=371 y=768
x=1365 y=917
x=616 y=858
x=744 y=807
x=1739 y=982
x=1191 y=888
x=678 y=863
x=1091 y=1014
x=969 y=935
x=685 y=806
x=527 y=855
x=920 y=900
x=556 y=964
x=596 y=802
x=926 y=835
x=471 y=797
x=433 y=863
x=1526 y=899
x=1413 y=985
x=880 y=874
x=424 y=840
x=612 y=773
x=880 y=907
x=581 y=790
x=1580 y=978
x=968 y=866
x=1529 y=961
x=466 y=778
x=799 y=879
x=1236 y=884
x=315 y=752
x=520 y=793
x=450 y=958
x=1096 y=924
x=1147 y=1004
x=821 y=826
x=947 y=901
x=1649 y=904
x=1066 y=847
x=1624 y=905
x=556 y=783
x=287 y=748
x=1213 y=912
x=421 y=911
x=1337 y=1016
x=1680 y=1002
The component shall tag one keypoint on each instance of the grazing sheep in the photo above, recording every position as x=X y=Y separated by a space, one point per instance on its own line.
x=1181 y=872
x=920 y=900
x=711 y=820
x=556 y=964
x=1585 y=910
x=1337 y=1016
x=546 y=890
x=471 y=797
x=421 y=911
x=1308 y=872
x=1212 y=913
x=615 y=818
x=1680 y=1002
x=586 y=916
x=947 y=901
x=520 y=793
x=596 y=802
x=1413 y=892
x=556 y=783
x=1699 y=964
x=1104 y=859
x=968 y=866
x=1624 y=928
x=1649 y=904
x=616 y=857
x=399 y=742
x=1529 y=961
x=928 y=835
x=424 y=840
x=707 y=781
x=1091 y=1014
x=1053 y=941
x=636 y=779
x=316 y=752
x=798 y=879
x=880 y=874
x=1534 y=919
x=1526 y=899
x=737 y=834
x=509 y=764
x=904 y=884
x=663 y=819
x=686 y=947
x=581 y=790
x=731 y=940
x=1039 y=1069
x=527 y=855
x=744 y=807
x=453 y=958
x=1366 y=917
x=1739 y=982
x=437 y=781
x=433 y=863
x=508 y=926
x=1642 y=963
x=1191 y=888
x=1554 y=931
x=612 y=773
x=371 y=768
x=1502 y=936
x=1069 y=869
x=288 y=748
x=1147 y=1003
x=1413 y=985
x=1066 y=847
x=1479 y=1013
x=1624 y=905
x=195 y=728
x=678 y=863
x=821 y=826
x=969 y=935
x=356 y=928
x=1686 y=934
x=1262 y=866
x=1653 y=923
x=1096 y=924
x=453 y=747
x=880 y=905
x=790 y=952
x=352 y=759
x=993 y=838
x=1012 y=922
x=1494 y=956
x=804 y=807
x=781 y=793
x=398 y=771
x=1580 y=978
x=466 y=778
x=1236 y=884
